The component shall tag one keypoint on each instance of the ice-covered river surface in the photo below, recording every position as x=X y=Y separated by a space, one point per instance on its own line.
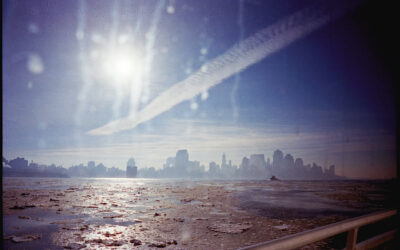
x=53 y=213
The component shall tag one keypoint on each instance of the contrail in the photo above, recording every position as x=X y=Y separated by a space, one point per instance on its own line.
x=242 y=55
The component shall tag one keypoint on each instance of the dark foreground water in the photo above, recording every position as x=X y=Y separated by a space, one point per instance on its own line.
x=52 y=213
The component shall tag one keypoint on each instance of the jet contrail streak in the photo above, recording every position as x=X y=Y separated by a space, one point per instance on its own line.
x=239 y=57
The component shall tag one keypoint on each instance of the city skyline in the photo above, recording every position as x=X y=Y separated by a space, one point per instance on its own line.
x=254 y=144
x=285 y=166
x=325 y=94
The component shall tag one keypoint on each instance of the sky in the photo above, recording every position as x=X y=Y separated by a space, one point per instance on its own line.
x=170 y=75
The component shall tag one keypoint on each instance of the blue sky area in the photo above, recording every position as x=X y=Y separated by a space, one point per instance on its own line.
x=328 y=97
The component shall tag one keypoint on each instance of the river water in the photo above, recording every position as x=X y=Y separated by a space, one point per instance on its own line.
x=75 y=212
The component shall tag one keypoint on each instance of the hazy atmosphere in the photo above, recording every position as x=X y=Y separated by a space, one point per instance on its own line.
x=105 y=81
x=199 y=124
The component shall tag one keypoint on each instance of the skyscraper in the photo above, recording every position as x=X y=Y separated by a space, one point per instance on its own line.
x=131 y=169
x=223 y=164
x=181 y=161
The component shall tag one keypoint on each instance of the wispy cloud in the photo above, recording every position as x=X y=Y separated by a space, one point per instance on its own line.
x=239 y=57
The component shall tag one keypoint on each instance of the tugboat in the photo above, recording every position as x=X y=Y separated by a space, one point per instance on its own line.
x=273 y=178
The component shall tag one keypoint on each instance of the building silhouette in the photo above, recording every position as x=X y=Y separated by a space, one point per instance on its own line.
x=131 y=169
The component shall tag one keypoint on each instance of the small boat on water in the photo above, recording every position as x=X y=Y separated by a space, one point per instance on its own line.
x=273 y=178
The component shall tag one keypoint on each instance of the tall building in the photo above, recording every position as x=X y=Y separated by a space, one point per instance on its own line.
x=277 y=159
x=18 y=163
x=226 y=169
x=257 y=167
x=331 y=171
x=131 y=169
x=223 y=164
x=257 y=161
x=288 y=161
x=91 y=164
x=182 y=160
x=170 y=162
x=214 y=169
x=245 y=164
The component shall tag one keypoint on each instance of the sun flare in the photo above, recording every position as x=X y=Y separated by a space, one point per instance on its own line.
x=122 y=65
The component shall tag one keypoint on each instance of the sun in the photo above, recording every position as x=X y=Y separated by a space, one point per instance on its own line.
x=122 y=65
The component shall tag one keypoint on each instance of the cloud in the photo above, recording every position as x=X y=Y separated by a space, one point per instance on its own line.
x=239 y=57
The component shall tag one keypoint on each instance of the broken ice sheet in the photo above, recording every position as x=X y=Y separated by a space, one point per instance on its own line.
x=282 y=227
x=24 y=238
x=229 y=228
x=67 y=221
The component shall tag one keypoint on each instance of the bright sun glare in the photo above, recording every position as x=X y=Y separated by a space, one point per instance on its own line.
x=122 y=65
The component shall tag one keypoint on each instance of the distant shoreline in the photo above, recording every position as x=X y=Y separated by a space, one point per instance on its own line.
x=199 y=179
